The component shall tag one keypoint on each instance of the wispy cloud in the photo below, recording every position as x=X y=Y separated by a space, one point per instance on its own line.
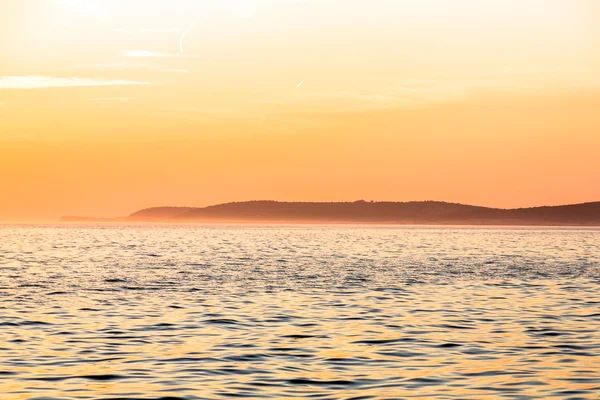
x=148 y=54
x=161 y=30
x=41 y=82
x=135 y=65
x=397 y=93
x=148 y=30
x=109 y=99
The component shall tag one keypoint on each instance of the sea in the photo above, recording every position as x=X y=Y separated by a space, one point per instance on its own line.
x=298 y=312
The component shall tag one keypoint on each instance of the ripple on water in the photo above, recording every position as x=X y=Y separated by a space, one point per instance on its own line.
x=192 y=312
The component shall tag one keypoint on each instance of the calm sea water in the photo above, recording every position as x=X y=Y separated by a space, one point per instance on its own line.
x=197 y=312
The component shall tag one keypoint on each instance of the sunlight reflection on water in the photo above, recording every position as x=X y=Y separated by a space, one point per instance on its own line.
x=196 y=312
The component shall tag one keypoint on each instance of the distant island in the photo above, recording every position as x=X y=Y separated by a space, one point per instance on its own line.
x=365 y=212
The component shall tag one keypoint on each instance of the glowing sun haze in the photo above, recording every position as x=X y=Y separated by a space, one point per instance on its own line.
x=108 y=106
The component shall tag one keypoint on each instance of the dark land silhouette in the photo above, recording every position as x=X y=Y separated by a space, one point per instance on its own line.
x=364 y=212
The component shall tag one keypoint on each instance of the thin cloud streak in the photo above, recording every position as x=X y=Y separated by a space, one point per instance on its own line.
x=43 y=82
x=183 y=36
x=148 y=54
x=135 y=65
x=147 y=30
x=109 y=99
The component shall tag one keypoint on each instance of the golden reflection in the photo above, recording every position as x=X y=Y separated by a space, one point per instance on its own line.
x=166 y=311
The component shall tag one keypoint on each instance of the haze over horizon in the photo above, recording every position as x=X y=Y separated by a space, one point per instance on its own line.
x=107 y=107
x=363 y=213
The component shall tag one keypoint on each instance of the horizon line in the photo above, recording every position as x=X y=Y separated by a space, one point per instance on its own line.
x=361 y=201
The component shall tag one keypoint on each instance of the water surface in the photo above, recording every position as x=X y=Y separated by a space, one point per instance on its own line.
x=200 y=312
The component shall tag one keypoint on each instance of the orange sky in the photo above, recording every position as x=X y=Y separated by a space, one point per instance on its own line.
x=109 y=106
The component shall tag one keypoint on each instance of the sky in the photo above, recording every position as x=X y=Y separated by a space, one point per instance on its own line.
x=109 y=106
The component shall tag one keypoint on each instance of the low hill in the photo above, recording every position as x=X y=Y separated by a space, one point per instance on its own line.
x=415 y=212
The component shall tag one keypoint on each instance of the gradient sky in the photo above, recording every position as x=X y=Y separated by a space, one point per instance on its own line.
x=108 y=106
